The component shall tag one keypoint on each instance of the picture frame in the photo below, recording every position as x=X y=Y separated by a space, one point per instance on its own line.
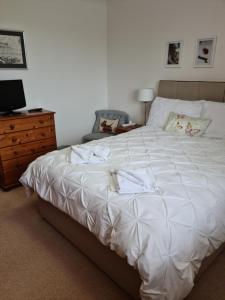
x=174 y=51
x=205 y=49
x=12 y=50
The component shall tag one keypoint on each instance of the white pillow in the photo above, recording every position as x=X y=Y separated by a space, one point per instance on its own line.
x=216 y=112
x=161 y=108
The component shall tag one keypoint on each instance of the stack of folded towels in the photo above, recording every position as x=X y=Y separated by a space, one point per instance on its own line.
x=85 y=154
x=126 y=180
x=131 y=181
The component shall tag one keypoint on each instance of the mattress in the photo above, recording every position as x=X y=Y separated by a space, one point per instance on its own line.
x=165 y=235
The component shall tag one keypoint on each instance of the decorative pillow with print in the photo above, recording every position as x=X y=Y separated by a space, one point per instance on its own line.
x=108 y=126
x=185 y=125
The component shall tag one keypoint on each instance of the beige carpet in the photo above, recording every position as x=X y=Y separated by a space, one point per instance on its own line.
x=37 y=263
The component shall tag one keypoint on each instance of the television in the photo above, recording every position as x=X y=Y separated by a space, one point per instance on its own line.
x=11 y=96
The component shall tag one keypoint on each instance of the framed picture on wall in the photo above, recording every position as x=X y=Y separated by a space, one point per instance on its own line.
x=205 y=52
x=12 y=50
x=173 y=55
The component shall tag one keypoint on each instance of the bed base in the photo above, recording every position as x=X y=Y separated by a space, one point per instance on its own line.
x=114 y=266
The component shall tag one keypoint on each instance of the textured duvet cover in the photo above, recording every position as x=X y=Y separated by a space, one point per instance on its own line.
x=165 y=234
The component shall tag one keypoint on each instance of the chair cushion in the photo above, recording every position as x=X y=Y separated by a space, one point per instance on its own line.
x=110 y=114
x=95 y=136
x=107 y=125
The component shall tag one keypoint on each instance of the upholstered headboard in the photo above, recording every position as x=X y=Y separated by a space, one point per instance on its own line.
x=192 y=90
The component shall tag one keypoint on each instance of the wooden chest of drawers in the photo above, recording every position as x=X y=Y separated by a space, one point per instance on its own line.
x=23 y=138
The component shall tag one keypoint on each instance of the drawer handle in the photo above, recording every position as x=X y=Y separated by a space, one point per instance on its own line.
x=41 y=121
x=43 y=134
x=14 y=139
x=12 y=126
x=15 y=153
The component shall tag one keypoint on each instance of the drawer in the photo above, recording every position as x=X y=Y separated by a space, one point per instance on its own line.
x=7 y=126
x=13 y=169
x=27 y=149
x=11 y=178
x=20 y=164
x=22 y=137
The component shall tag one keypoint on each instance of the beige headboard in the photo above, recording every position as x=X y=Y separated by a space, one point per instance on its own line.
x=192 y=90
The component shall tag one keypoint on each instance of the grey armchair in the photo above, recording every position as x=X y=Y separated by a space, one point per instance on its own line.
x=122 y=116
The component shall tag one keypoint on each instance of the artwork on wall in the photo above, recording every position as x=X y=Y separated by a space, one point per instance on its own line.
x=12 y=50
x=174 y=53
x=205 y=52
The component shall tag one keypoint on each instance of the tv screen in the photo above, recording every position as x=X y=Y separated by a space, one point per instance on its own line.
x=11 y=95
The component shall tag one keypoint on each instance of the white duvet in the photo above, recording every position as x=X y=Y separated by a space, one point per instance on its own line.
x=164 y=234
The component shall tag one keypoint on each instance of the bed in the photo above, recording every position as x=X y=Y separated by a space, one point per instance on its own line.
x=78 y=200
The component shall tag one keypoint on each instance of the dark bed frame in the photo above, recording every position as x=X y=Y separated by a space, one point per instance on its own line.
x=108 y=261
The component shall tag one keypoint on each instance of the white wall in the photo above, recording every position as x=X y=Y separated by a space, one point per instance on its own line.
x=137 y=34
x=66 y=45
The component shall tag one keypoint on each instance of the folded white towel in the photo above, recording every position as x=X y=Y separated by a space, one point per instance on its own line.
x=84 y=154
x=131 y=181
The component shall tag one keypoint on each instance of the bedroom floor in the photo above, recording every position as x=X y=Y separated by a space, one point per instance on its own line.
x=37 y=263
